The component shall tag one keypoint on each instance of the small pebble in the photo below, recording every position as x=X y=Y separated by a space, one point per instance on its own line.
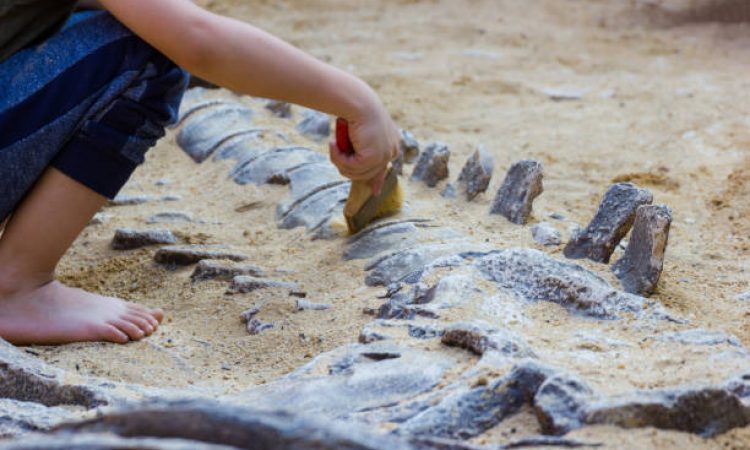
x=170 y=217
x=744 y=297
x=246 y=316
x=304 y=305
x=556 y=216
x=129 y=200
x=255 y=326
x=100 y=218
x=559 y=95
x=546 y=234
x=164 y=182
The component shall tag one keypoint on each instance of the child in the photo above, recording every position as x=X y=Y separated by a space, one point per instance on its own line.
x=81 y=104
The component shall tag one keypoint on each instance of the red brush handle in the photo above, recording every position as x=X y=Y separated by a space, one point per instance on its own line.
x=342 y=137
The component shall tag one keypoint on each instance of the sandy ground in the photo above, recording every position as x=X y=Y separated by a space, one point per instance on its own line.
x=664 y=103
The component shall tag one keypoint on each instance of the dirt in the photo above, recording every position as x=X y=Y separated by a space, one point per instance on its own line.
x=664 y=103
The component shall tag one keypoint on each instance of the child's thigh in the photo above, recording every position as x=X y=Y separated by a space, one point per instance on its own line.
x=95 y=87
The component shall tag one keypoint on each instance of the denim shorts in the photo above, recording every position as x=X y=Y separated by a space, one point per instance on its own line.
x=89 y=101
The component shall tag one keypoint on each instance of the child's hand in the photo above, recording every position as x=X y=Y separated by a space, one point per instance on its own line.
x=375 y=140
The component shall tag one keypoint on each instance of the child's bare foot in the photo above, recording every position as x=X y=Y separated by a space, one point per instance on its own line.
x=56 y=314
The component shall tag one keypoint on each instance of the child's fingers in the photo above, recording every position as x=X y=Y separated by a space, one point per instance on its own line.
x=352 y=165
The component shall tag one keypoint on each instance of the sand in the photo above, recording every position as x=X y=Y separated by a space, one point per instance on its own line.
x=661 y=102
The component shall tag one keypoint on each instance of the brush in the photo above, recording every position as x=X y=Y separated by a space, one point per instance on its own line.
x=362 y=206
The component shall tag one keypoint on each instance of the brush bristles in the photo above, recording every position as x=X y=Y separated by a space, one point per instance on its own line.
x=391 y=204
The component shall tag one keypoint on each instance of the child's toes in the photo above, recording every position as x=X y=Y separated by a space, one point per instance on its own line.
x=157 y=314
x=113 y=334
x=130 y=329
x=141 y=323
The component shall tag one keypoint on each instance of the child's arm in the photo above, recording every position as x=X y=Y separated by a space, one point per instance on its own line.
x=246 y=59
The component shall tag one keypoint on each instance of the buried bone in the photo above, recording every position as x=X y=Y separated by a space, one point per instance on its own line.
x=476 y=174
x=432 y=166
x=640 y=268
x=522 y=185
x=611 y=223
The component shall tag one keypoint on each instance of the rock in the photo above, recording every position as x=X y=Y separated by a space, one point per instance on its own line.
x=243 y=284
x=274 y=165
x=128 y=238
x=255 y=326
x=218 y=270
x=409 y=147
x=170 y=217
x=707 y=411
x=744 y=297
x=522 y=185
x=205 y=130
x=476 y=174
x=432 y=166
x=470 y=412
x=354 y=379
x=534 y=276
x=304 y=305
x=640 y=267
x=315 y=208
x=171 y=198
x=97 y=441
x=237 y=426
x=449 y=192
x=546 y=234
x=185 y=255
x=163 y=182
x=557 y=216
x=279 y=108
x=560 y=403
x=611 y=223
x=380 y=238
x=480 y=338
x=17 y=418
x=130 y=200
x=699 y=336
x=315 y=125
x=27 y=379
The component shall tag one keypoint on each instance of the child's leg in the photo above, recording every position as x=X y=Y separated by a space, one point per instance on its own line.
x=33 y=307
x=77 y=115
